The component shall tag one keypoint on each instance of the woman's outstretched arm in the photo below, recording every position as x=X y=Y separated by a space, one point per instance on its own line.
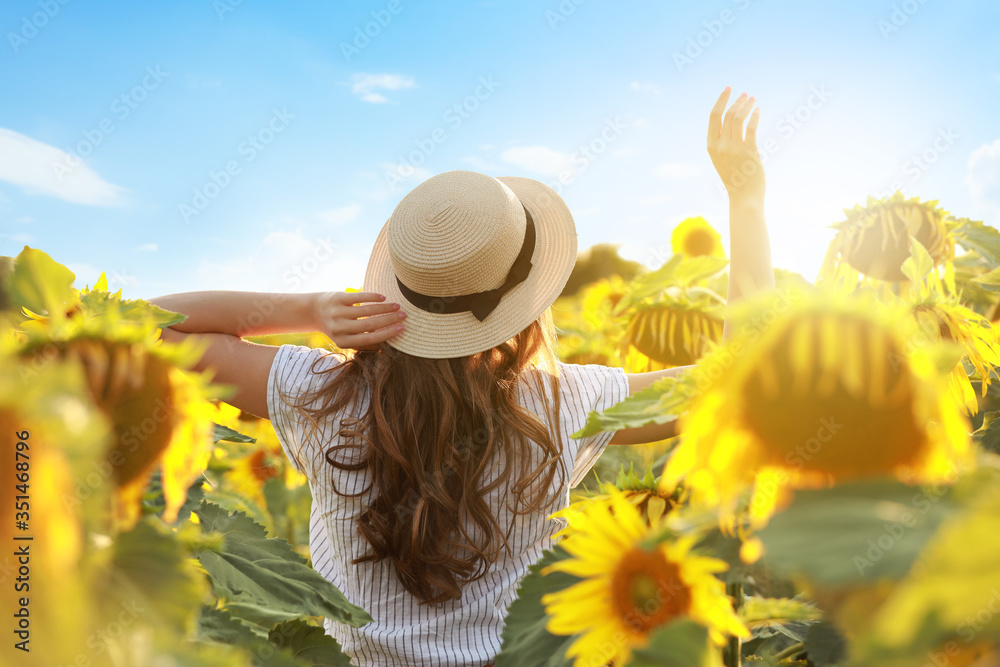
x=351 y=319
x=738 y=163
x=223 y=318
x=242 y=313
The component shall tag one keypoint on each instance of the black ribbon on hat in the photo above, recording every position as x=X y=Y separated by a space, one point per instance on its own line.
x=481 y=304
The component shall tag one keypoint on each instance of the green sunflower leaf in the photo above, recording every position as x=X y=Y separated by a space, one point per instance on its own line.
x=526 y=641
x=856 y=532
x=253 y=568
x=659 y=403
x=682 y=643
x=308 y=644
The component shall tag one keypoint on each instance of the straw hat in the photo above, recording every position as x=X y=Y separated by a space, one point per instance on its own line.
x=455 y=255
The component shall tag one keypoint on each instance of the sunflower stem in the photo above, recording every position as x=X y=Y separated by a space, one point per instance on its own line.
x=789 y=652
x=734 y=649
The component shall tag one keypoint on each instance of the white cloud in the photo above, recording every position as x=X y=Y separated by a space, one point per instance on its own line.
x=645 y=87
x=366 y=84
x=287 y=261
x=338 y=216
x=43 y=169
x=539 y=159
x=676 y=170
x=983 y=178
x=148 y=247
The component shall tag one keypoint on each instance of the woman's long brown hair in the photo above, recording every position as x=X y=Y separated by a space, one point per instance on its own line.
x=428 y=438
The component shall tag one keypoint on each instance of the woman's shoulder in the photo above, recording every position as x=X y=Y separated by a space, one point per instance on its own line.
x=578 y=382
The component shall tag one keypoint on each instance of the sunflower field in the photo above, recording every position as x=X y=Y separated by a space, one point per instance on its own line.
x=833 y=498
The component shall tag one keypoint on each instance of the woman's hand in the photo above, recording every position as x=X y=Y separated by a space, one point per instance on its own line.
x=351 y=325
x=735 y=158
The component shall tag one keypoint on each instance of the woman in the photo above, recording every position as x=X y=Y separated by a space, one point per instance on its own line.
x=437 y=450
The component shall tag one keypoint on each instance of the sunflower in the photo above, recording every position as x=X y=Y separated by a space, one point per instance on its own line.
x=945 y=318
x=159 y=412
x=694 y=237
x=832 y=390
x=674 y=332
x=646 y=494
x=875 y=238
x=585 y=322
x=629 y=589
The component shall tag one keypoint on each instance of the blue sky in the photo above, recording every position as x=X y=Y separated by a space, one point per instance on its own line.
x=261 y=146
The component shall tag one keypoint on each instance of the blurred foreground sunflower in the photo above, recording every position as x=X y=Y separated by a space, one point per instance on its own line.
x=695 y=237
x=834 y=389
x=160 y=413
x=630 y=588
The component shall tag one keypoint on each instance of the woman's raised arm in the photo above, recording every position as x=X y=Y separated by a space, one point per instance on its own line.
x=738 y=163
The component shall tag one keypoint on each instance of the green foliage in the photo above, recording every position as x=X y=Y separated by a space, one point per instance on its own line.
x=657 y=404
x=854 y=532
x=40 y=284
x=596 y=262
x=252 y=568
x=757 y=611
x=224 y=433
x=679 y=644
x=526 y=641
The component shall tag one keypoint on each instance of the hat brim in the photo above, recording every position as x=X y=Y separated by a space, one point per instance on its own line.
x=442 y=336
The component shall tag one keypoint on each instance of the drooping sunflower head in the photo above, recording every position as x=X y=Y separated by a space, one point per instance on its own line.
x=694 y=237
x=875 y=238
x=630 y=586
x=820 y=387
x=672 y=332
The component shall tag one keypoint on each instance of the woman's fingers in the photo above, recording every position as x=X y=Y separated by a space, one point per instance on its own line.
x=752 y=129
x=351 y=298
x=352 y=326
x=371 y=338
x=354 y=312
x=740 y=118
x=734 y=119
x=715 y=117
x=727 y=122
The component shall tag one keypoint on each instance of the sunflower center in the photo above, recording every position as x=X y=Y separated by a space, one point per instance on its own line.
x=698 y=242
x=835 y=395
x=647 y=590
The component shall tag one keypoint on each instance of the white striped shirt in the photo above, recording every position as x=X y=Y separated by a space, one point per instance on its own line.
x=458 y=633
